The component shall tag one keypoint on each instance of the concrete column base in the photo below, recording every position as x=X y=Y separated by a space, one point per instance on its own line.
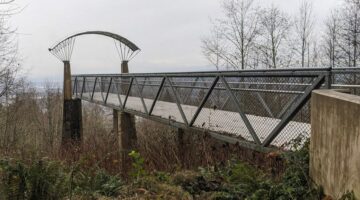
x=127 y=140
x=72 y=122
x=181 y=146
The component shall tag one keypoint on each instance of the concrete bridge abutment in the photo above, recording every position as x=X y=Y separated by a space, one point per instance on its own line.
x=335 y=142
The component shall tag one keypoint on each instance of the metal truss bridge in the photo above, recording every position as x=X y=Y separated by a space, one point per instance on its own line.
x=257 y=109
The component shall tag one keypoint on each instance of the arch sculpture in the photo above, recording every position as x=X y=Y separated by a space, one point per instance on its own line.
x=72 y=126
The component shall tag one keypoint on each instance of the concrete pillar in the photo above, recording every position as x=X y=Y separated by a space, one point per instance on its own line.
x=124 y=67
x=115 y=122
x=181 y=147
x=72 y=112
x=127 y=134
x=72 y=122
x=127 y=140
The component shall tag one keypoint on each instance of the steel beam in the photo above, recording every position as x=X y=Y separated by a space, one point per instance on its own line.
x=157 y=95
x=204 y=101
x=118 y=94
x=93 y=91
x=108 y=90
x=178 y=102
x=293 y=110
x=140 y=95
x=83 y=87
x=241 y=113
x=128 y=92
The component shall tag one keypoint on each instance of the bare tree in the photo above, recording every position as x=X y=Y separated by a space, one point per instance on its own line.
x=304 y=25
x=330 y=40
x=275 y=26
x=349 y=30
x=213 y=49
x=237 y=31
x=9 y=65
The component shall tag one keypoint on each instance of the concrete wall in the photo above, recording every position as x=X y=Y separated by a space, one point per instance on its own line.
x=335 y=142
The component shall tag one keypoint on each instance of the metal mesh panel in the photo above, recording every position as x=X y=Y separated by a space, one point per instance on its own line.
x=219 y=114
x=149 y=87
x=98 y=93
x=114 y=97
x=87 y=87
x=165 y=106
x=190 y=91
x=295 y=129
x=347 y=80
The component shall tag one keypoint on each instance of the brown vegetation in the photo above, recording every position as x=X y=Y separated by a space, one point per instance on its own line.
x=33 y=129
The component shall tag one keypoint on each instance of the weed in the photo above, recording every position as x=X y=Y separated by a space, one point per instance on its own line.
x=138 y=165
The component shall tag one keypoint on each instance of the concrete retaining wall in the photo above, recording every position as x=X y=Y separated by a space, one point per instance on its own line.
x=335 y=142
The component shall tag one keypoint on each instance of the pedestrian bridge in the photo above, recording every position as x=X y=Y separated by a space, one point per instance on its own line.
x=258 y=108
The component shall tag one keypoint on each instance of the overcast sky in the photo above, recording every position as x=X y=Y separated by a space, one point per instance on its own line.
x=168 y=32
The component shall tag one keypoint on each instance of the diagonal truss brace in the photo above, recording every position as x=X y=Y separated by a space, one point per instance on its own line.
x=157 y=95
x=140 y=95
x=242 y=114
x=204 y=101
x=178 y=102
x=75 y=87
x=93 y=90
x=128 y=92
x=118 y=94
x=294 y=109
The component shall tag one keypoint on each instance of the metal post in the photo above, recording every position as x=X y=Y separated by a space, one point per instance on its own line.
x=329 y=80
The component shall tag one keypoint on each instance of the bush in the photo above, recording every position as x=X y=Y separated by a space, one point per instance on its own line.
x=51 y=180
x=39 y=180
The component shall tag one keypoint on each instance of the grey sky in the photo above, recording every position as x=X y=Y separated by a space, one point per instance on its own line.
x=167 y=31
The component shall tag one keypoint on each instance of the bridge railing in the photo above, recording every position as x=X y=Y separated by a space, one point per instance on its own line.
x=258 y=108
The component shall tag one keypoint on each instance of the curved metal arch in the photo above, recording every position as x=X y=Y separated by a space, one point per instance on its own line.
x=117 y=37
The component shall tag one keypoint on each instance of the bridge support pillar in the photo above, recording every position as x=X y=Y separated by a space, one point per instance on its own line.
x=115 y=122
x=127 y=140
x=72 y=112
x=72 y=122
x=125 y=67
x=180 y=145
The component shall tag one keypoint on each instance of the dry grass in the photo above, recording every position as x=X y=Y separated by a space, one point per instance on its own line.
x=33 y=130
x=164 y=150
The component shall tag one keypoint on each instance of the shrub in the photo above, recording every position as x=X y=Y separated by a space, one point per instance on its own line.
x=138 y=165
x=39 y=180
